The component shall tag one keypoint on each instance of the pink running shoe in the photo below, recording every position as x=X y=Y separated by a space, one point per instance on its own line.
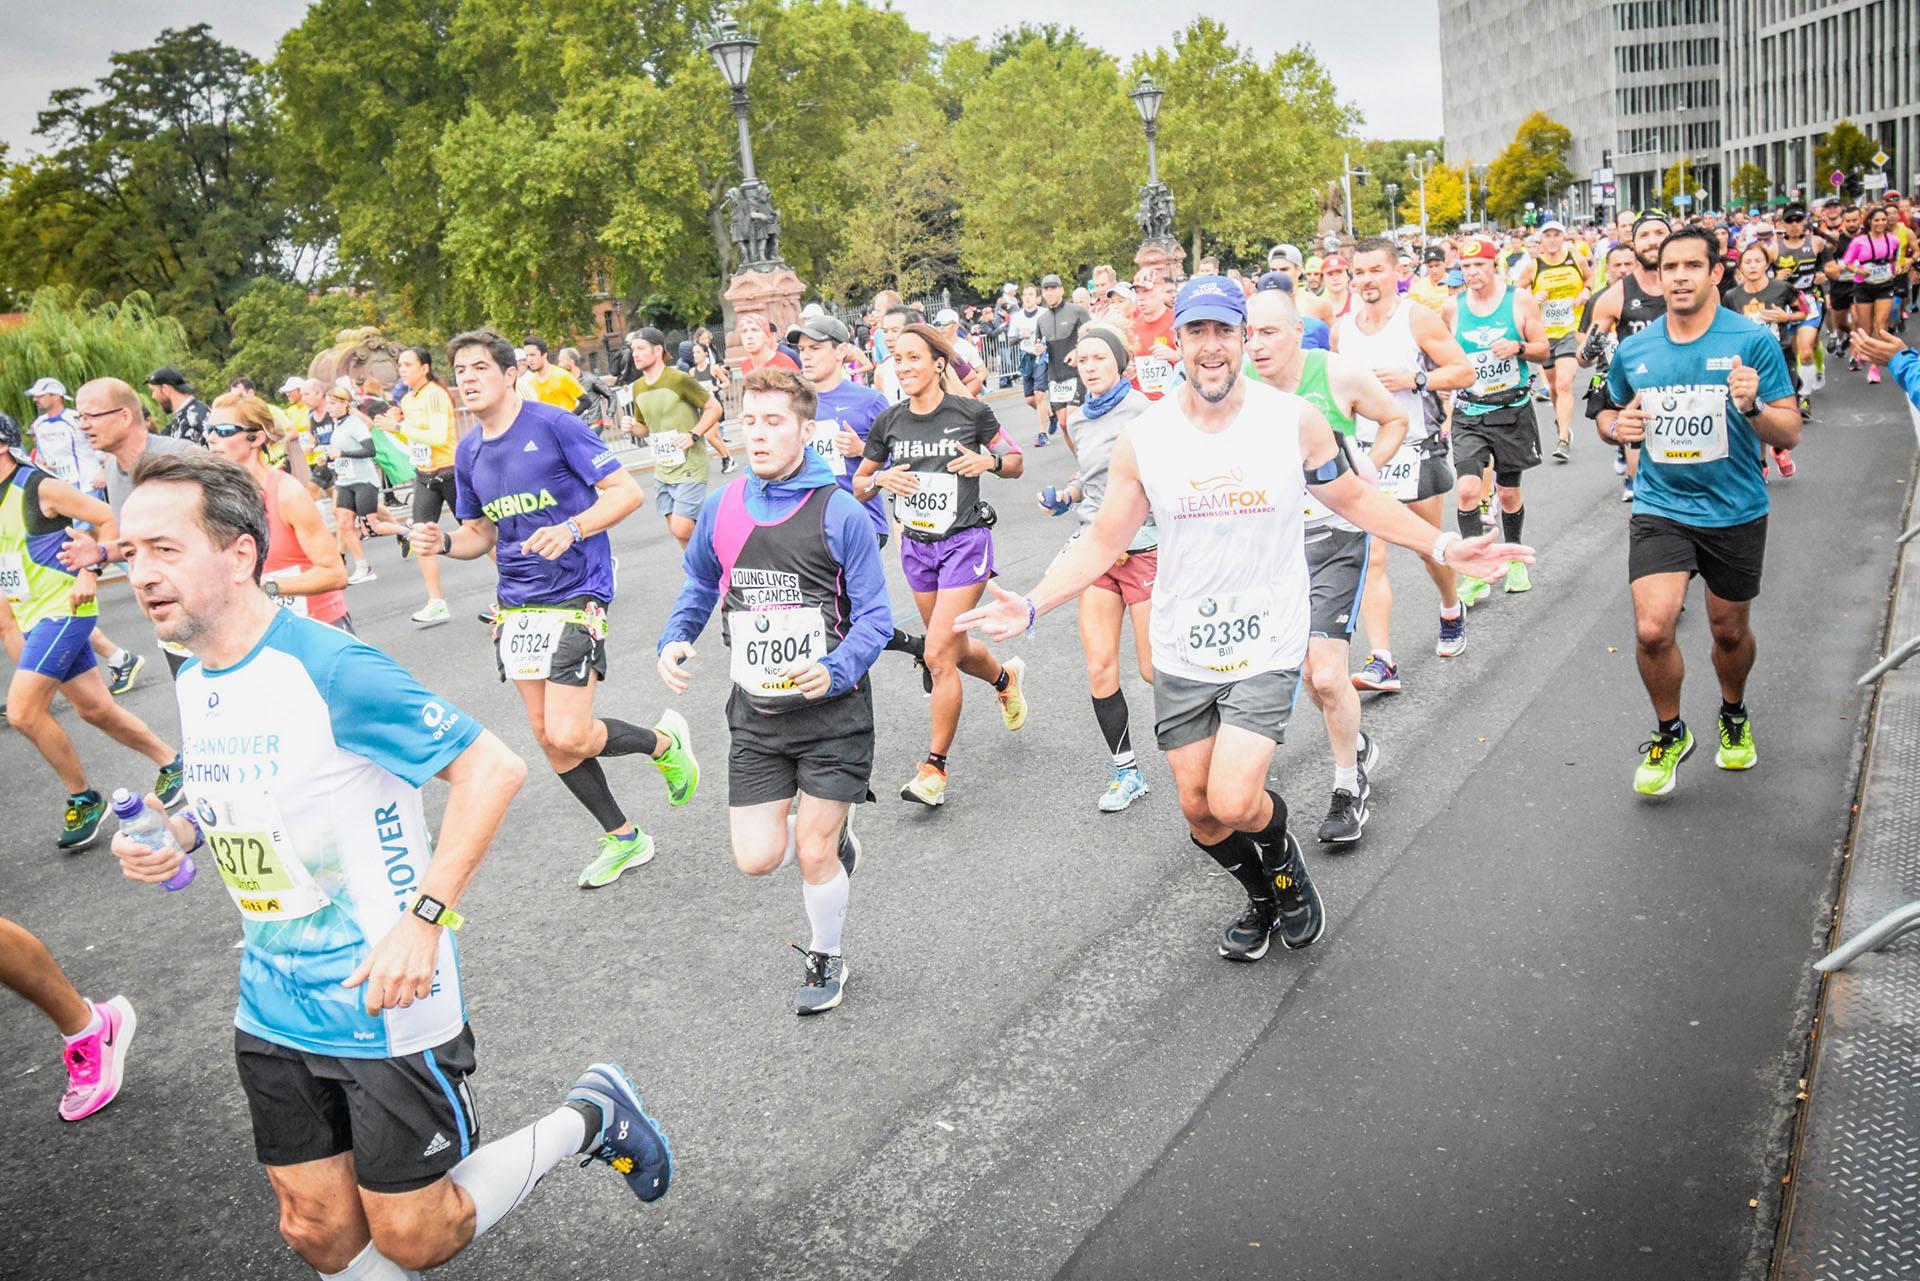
x=94 y=1063
x=1873 y=373
x=1786 y=463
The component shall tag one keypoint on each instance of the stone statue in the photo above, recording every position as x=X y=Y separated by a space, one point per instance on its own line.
x=1156 y=212
x=1332 y=203
x=358 y=354
x=753 y=224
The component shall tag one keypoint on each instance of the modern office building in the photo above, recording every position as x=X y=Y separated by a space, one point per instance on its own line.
x=1793 y=67
x=1646 y=84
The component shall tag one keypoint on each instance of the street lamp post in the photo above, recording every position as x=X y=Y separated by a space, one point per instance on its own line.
x=1347 y=174
x=1158 y=247
x=1420 y=167
x=1393 y=207
x=762 y=282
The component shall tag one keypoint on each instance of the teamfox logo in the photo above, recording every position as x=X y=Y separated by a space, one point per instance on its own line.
x=520 y=504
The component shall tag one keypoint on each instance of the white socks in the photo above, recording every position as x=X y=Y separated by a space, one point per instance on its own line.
x=500 y=1175
x=1348 y=778
x=826 y=912
x=370 y=1265
x=93 y=1023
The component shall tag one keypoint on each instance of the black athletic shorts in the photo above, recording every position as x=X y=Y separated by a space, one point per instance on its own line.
x=1840 y=293
x=432 y=491
x=580 y=649
x=1865 y=293
x=1337 y=578
x=1728 y=559
x=358 y=499
x=1509 y=436
x=824 y=750
x=407 y=1120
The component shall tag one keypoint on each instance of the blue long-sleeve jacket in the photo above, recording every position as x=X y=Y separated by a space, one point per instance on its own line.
x=1905 y=368
x=849 y=538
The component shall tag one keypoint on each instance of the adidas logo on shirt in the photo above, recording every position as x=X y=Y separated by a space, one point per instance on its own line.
x=531 y=448
x=439 y=1144
x=1641 y=368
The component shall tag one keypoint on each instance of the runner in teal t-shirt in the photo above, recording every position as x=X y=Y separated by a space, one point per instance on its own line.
x=1701 y=391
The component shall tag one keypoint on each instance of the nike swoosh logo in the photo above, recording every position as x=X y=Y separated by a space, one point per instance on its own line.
x=981 y=568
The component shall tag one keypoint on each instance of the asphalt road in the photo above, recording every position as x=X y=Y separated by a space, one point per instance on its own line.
x=1551 y=1030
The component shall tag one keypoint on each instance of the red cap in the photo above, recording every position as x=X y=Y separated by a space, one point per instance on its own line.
x=1475 y=249
x=1334 y=262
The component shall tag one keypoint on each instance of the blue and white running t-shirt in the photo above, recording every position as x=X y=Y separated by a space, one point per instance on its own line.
x=304 y=763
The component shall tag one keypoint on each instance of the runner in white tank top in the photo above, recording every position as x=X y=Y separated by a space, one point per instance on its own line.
x=1223 y=467
x=1412 y=353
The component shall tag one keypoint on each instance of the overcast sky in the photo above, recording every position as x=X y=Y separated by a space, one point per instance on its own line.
x=1393 y=72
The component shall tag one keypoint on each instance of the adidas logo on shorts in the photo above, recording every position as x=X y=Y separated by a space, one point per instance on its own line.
x=439 y=1144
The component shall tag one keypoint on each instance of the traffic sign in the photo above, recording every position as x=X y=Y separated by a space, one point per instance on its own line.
x=1837 y=178
x=1683 y=200
x=1880 y=159
x=1874 y=181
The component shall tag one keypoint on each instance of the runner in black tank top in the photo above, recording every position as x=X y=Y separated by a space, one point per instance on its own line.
x=1624 y=314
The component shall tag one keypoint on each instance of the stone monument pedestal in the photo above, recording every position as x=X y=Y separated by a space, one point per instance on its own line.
x=771 y=290
x=1163 y=252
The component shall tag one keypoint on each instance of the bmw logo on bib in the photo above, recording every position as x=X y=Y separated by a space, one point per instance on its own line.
x=1209 y=607
x=205 y=810
x=763 y=623
x=1668 y=404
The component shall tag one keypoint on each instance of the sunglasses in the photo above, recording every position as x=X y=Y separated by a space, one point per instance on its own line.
x=227 y=431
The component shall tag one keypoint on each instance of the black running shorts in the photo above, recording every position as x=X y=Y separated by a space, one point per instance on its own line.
x=1509 y=436
x=822 y=749
x=1728 y=560
x=432 y=490
x=358 y=499
x=407 y=1120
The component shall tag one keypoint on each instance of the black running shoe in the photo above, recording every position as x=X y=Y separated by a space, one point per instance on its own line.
x=1246 y=938
x=1300 y=917
x=822 y=984
x=1369 y=757
x=1345 y=818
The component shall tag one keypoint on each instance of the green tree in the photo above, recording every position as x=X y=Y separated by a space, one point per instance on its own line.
x=161 y=180
x=75 y=340
x=899 y=231
x=1682 y=177
x=1533 y=167
x=1386 y=160
x=1848 y=149
x=1446 y=198
x=1073 y=206
x=279 y=327
x=1751 y=185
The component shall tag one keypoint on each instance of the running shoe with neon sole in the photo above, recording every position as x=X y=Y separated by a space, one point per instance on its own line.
x=96 y=1063
x=822 y=984
x=1517 y=580
x=1013 y=699
x=677 y=764
x=1453 y=636
x=1126 y=788
x=1660 y=762
x=82 y=822
x=1736 y=750
x=928 y=787
x=617 y=854
x=629 y=1140
x=1473 y=590
x=1378 y=675
x=1873 y=374
x=120 y=678
x=170 y=784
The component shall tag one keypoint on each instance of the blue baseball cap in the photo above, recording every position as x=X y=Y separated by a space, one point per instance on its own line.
x=1210 y=298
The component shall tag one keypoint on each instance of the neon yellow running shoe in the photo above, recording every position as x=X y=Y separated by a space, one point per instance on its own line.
x=1655 y=774
x=617 y=854
x=1474 y=590
x=677 y=764
x=1013 y=699
x=928 y=785
x=1517 y=580
x=1736 y=744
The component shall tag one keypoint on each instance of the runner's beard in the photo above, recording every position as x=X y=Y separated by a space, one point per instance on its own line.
x=1226 y=387
x=1651 y=264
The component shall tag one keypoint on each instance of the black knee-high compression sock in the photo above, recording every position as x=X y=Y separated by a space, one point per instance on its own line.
x=1471 y=526
x=1111 y=712
x=588 y=783
x=625 y=740
x=1511 y=523
x=1241 y=859
x=1272 y=839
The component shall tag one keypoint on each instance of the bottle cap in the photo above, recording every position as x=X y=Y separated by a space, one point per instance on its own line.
x=125 y=803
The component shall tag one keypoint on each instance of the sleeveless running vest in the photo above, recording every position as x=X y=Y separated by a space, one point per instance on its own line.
x=1228 y=507
x=286 y=556
x=1394 y=347
x=1638 y=308
x=769 y=573
x=1498 y=381
x=1557 y=285
x=1317 y=390
x=32 y=578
